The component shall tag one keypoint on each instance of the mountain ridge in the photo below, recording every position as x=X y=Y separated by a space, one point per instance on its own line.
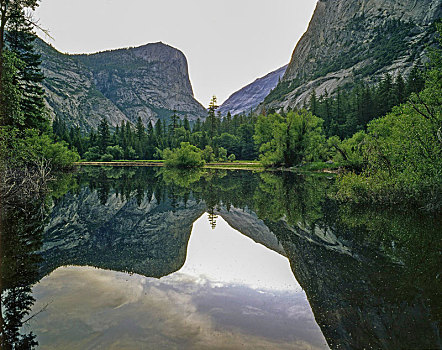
x=347 y=41
x=251 y=95
x=149 y=81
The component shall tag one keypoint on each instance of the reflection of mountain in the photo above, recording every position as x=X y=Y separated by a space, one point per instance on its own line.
x=149 y=239
x=355 y=295
x=360 y=298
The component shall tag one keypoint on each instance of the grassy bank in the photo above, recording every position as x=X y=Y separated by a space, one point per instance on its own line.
x=240 y=165
x=316 y=167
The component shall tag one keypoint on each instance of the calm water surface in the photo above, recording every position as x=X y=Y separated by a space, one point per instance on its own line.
x=147 y=258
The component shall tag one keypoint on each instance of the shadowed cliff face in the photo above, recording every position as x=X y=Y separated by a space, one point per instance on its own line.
x=370 y=277
x=149 y=81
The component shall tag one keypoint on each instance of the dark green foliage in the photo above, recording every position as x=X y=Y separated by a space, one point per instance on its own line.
x=403 y=151
x=20 y=40
x=348 y=112
x=10 y=95
x=24 y=134
x=234 y=134
x=103 y=135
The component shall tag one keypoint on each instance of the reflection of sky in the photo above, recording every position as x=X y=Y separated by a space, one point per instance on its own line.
x=225 y=256
x=230 y=294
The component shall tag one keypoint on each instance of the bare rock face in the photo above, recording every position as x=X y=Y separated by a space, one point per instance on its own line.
x=151 y=82
x=250 y=96
x=349 y=39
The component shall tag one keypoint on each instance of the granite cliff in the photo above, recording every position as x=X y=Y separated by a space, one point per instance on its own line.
x=149 y=81
x=250 y=96
x=349 y=40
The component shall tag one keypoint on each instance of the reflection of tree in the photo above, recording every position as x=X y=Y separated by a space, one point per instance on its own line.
x=346 y=260
x=21 y=239
x=297 y=199
x=212 y=217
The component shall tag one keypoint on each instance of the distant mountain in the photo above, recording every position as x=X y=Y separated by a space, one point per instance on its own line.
x=250 y=96
x=349 y=41
x=149 y=81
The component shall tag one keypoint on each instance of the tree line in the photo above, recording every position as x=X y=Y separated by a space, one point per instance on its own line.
x=219 y=137
x=304 y=137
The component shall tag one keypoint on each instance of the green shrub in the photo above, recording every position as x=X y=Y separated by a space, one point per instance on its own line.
x=222 y=154
x=35 y=148
x=93 y=154
x=116 y=151
x=208 y=155
x=107 y=157
x=187 y=156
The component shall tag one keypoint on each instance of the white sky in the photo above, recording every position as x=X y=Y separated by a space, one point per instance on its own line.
x=228 y=43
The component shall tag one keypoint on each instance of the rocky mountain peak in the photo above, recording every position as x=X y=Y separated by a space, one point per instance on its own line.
x=150 y=81
x=348 y=40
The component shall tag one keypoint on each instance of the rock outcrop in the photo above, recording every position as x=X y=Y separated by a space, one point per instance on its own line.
x=150 y=81
x=348 y=40
x=250 y=96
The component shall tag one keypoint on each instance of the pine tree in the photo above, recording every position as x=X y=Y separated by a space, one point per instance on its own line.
x=20 y=39
x=399 y=90
x=197 y=126
x=140 y=129
x=103 y=135
x=313 y=103
x=8 y=9
x=186 y=124
x=174 y=121
x=211 y=118
x=415 y=81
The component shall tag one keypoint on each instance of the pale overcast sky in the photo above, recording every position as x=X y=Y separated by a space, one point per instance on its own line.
x=228 y=43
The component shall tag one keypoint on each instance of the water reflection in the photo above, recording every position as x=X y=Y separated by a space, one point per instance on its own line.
x=370 y=274
x=209 y=303
x=226 y=257
x=21 y=235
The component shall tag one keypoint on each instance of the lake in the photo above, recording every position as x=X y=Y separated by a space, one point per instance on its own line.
x=153 y=258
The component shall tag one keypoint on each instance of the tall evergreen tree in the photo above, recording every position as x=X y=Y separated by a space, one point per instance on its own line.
x=140 y=129
x=8 y=9
x=103 y=135
x=186 y=124
x=211 y=118
x=20 y=40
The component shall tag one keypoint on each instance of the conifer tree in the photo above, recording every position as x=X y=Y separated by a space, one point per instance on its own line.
x=186 y=124
x=211 y=118
x=140 y=129
x=103 y=135
x=20 y=39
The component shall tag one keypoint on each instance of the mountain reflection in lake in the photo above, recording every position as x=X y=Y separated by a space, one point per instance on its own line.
x=129 y=259
x=231 y=293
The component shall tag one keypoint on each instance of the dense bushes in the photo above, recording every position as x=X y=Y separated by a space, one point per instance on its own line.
x=186 y=156
x=403 y=151
x=30 y=149
x=289 y=139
